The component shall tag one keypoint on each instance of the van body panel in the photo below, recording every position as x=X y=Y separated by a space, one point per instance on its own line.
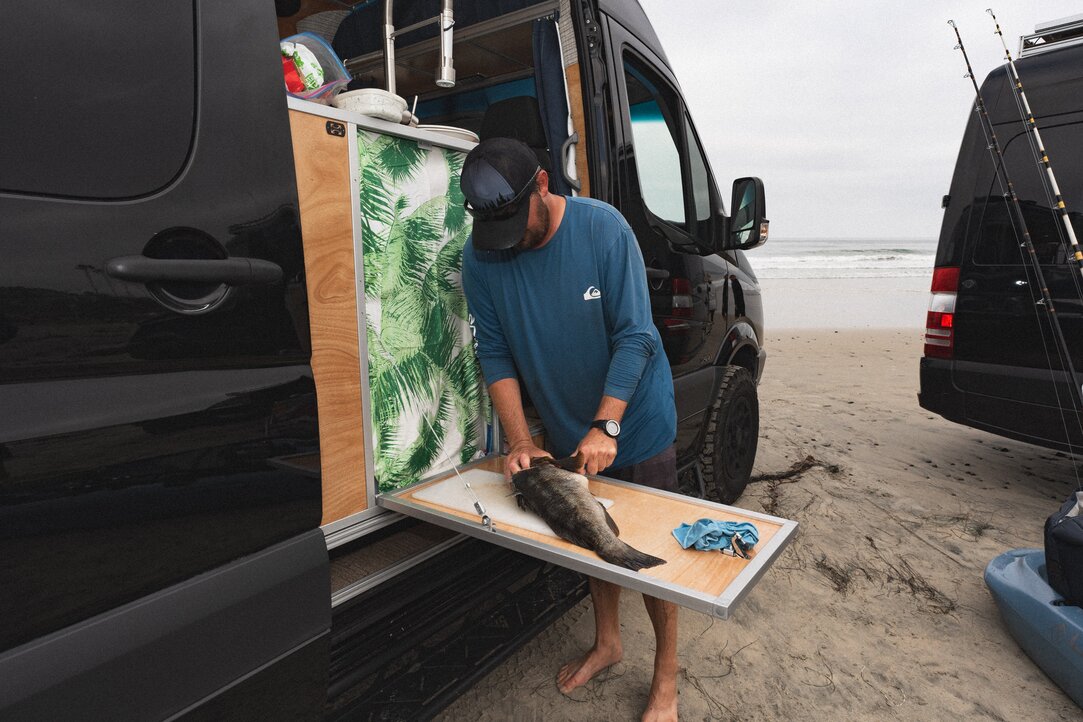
x=696 y=296
x=170 y=650
x=630 y=15
x=1007 y=374
x=138 y=434
x=159 y=451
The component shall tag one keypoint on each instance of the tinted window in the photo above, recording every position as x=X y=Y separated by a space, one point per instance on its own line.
x=103 y=108
x=997 y=241
x=701 y=184
x=654 y=137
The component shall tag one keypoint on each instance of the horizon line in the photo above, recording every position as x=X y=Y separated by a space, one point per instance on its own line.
x=849 y=238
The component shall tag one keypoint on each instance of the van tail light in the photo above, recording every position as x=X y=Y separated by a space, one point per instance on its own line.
x=681 y=293
x=682 y=298
x=940 y=320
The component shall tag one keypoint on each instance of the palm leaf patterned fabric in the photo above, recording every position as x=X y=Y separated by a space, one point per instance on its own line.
x=429 y=407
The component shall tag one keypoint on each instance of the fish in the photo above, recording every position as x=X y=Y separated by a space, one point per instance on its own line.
x=554 y=491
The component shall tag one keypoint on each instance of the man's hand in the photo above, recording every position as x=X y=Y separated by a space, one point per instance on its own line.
x=598 y=451
x=519 y=457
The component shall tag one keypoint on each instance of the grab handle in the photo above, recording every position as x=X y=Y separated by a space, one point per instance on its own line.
x=231 y=271
x=572 y=139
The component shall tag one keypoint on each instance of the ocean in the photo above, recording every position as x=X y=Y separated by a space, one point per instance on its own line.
x=817 y=258
x=817 y=283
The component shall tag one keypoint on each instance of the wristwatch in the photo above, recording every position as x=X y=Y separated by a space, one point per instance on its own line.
x=610 y=427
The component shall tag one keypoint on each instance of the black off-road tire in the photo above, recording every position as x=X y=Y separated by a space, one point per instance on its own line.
x=733 y=430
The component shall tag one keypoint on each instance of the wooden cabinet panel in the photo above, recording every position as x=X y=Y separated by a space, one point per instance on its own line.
x=324 y=192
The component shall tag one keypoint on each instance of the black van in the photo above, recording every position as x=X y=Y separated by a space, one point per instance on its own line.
x=991 y=359
x=159 y=555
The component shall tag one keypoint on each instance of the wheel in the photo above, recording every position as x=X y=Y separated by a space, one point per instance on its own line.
x=733 y=430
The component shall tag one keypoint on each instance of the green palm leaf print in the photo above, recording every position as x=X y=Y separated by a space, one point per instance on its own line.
x=428 y=403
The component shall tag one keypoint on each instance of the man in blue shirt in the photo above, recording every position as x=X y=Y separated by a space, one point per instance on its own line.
x=558 y=294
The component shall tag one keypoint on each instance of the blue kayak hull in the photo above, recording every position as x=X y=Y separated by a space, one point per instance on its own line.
x=1052 y=636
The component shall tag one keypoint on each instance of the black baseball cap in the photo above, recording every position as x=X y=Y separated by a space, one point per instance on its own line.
x=497 y=180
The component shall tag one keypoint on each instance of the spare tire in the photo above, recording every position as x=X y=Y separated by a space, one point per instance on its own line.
x=733 y=430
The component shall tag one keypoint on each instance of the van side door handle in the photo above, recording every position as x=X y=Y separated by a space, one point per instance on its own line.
x=657 y=274
x=231 y=271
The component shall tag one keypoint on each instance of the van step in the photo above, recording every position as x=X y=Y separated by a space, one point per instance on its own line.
x=408 y=648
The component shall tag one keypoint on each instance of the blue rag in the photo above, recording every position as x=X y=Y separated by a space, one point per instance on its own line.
x=708 y=534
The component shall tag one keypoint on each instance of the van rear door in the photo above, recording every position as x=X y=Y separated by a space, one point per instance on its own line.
x=1006 y=356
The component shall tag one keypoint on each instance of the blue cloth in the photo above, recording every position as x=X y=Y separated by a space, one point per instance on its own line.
x=708 y=534
x=572 y=322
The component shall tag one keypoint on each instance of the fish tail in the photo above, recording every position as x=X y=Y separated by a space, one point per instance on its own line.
x=627 y=556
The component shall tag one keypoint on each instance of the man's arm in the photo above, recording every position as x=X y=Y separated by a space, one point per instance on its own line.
x=508 y=402
x=628 y=317
x=498 y=368
x=627 y=307
x=598 y=448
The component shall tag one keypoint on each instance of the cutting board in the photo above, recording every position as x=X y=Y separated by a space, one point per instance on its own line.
x=495 y=495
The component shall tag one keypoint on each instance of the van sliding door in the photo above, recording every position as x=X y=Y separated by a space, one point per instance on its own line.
x=154 y=550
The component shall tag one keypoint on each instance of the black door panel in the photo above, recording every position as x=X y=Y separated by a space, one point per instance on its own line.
x=153 y=659
x=1006 y=348
x=668 y=197
x=138 y=442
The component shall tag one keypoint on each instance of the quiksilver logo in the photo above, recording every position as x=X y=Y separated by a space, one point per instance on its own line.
x=590 y=293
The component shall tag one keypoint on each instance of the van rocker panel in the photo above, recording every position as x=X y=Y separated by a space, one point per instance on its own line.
x=159 y=655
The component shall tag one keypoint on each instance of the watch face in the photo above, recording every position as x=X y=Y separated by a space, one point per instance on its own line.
x=612 y=428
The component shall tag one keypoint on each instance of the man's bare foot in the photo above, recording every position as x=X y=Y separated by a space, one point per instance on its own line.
x=582 y=669
x=662 y=702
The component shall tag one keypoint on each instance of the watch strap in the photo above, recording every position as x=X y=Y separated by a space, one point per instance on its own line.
x=602 y=424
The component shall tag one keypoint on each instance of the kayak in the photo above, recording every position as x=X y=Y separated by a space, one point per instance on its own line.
x=1051 y=635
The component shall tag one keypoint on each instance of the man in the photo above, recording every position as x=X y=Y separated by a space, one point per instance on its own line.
x=558 y=293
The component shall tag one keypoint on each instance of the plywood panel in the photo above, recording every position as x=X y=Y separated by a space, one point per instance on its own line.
x=646 y=522
x=323 y=189
x=575 y=102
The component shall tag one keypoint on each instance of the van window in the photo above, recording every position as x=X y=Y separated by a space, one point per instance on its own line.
x=107 y=109
x=996 y=241
x=701 y=184
x=1000 y=244
x=655 y=143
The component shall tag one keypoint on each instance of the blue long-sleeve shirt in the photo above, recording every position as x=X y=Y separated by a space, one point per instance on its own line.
x=572 y=322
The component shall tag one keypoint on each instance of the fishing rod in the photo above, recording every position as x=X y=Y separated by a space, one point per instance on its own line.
x=997 y=155
x=1043 y=156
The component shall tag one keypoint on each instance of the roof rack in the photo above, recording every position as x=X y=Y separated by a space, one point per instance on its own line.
x=1052 y=35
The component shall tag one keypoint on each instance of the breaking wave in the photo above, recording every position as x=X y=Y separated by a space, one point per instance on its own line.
x=843 y=259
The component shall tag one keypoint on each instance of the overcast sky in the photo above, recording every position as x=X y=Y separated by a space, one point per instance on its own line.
x=851 y=112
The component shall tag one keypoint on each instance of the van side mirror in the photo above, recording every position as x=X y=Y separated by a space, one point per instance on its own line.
x=747 y=225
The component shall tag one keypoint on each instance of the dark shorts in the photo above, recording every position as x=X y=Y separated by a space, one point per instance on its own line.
x=657 y=472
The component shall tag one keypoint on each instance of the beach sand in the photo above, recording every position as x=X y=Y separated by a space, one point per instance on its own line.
x=811 y=303
x=877 y=610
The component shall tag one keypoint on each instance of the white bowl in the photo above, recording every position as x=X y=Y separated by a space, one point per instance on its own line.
x=456 y=133
x=375 y=102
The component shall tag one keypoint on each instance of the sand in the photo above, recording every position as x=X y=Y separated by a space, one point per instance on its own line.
x=878 y=609
x=837 y=303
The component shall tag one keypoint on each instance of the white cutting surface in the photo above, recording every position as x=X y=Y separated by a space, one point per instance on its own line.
x=495 y=494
